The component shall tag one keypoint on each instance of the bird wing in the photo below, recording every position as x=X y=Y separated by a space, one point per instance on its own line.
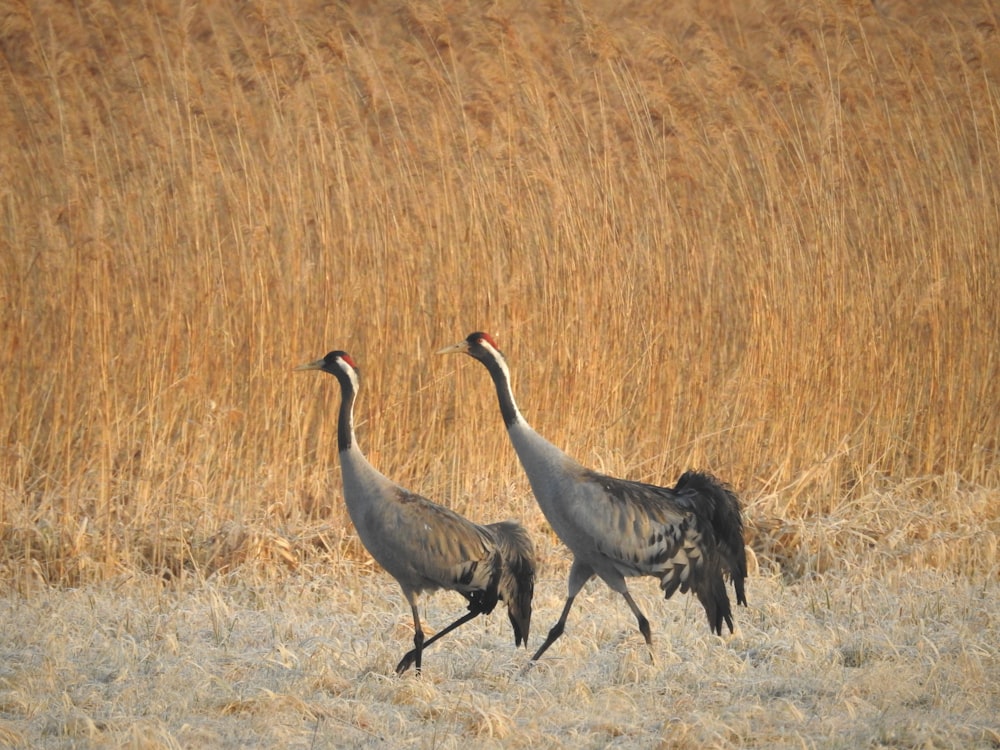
x=434 y=547
x=641 y=528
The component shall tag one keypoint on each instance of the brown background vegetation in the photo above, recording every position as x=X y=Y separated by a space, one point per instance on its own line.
x=760 y=239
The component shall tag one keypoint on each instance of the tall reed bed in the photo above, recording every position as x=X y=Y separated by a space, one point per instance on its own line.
x=761 y=241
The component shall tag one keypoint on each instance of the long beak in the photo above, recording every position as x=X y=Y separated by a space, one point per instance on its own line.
x=461 y=347
x=316 y=365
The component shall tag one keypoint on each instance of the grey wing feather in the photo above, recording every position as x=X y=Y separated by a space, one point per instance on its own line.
x=683 y=536
x=443 y=549
x=651 y=531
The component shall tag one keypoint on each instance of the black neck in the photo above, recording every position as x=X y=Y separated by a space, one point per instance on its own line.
x=508 y=409
x=345 y=422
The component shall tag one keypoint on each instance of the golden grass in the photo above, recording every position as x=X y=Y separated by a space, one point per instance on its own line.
x=761 y=241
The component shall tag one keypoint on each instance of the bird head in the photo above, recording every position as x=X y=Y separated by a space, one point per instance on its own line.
x=478 y=345
x=336 y=362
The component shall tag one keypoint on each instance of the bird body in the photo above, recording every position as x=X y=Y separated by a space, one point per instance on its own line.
x=685 y=536
x=423 y=545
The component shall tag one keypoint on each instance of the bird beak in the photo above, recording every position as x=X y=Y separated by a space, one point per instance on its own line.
x=459 y=348
x=317 y=365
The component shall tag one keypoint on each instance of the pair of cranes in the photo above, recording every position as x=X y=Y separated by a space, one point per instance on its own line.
x=687 y=536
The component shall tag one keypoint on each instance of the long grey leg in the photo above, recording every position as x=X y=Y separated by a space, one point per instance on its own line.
x=579 y=574
x=643 y=623
x=415 y=655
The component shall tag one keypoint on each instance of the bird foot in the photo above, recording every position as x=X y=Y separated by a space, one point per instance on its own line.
x=408 y=658
x=523 y=671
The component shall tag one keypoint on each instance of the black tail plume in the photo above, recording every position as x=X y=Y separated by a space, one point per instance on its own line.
x=726 y=520
x=517 y=575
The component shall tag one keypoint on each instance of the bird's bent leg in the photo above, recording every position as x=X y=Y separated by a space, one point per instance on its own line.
x=643 y=622
x=557 y=629
x=410 y=656
x=578 y=575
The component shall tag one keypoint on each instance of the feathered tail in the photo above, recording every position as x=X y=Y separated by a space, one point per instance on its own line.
x=720 y=506
x=517 y=575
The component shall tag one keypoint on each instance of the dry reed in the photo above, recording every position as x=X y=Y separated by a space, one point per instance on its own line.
x=761 y=241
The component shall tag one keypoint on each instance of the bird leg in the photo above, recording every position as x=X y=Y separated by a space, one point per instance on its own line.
x=409 y=656
x=418 y=645
x=579 y=574
x=557 y=629
x=643 y=623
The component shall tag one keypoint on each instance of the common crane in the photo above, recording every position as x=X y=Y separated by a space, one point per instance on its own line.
x=426 y=546
x=686 y=536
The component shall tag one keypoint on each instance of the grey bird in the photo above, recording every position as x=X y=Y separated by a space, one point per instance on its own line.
x=423 y=545
x=686 y=536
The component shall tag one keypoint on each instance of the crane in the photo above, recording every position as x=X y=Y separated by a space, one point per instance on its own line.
x=423 y=545
x=686 y=536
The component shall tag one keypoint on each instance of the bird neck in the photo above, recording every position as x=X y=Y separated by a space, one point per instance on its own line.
x=538 y=456
x=345 y=422
x=501 y=379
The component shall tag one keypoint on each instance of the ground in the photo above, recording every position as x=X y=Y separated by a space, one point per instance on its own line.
x=898 y=660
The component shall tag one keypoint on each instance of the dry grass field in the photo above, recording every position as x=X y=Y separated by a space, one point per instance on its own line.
x=760 y=239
